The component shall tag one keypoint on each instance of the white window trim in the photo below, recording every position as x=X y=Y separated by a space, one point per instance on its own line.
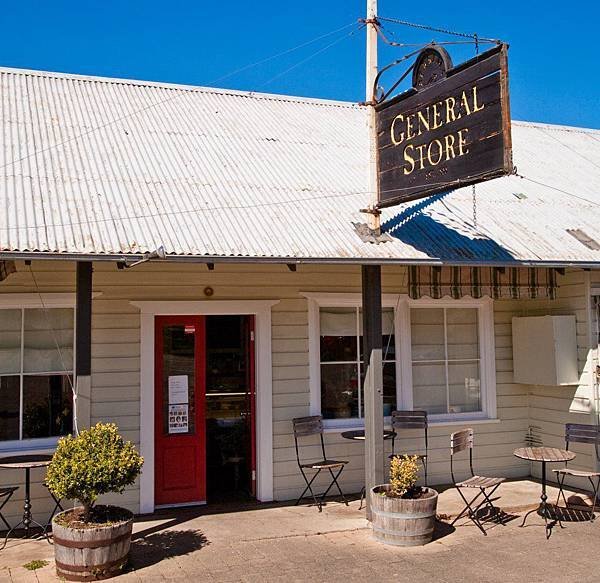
x=402 y=304
x=261 y=309
x=33 y=301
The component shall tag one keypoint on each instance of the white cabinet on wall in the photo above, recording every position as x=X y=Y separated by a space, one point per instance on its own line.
x=545 y=350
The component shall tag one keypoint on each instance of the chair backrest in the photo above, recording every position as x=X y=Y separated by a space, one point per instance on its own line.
x=409 y=419
x=460 y=441
x=582 y=433
x=306 y=426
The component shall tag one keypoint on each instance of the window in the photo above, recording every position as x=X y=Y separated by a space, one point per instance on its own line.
x=36 y=370
x=438 y=356
x=342 y=363
x=445 y=360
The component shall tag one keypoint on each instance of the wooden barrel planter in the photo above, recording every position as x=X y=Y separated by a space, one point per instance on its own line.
x=91 y=554
x=403 y=522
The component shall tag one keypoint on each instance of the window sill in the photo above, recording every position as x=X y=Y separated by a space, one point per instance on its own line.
x=359 y=424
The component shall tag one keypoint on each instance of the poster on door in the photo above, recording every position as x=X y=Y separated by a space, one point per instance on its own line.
x=178 y=389
x=178 y=418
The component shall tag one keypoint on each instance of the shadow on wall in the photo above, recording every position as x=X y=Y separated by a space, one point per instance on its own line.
x=422 y=232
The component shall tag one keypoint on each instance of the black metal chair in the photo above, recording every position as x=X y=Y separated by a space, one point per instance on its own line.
x=411 y=420
x=580 y=433
x=57 y=506
x=460 y=441
x=305 y=427
x=5 y=495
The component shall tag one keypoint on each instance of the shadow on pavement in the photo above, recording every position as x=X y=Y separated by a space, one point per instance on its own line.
x=153 y=548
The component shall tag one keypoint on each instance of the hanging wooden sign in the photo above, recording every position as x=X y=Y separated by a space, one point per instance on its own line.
x=451 y=130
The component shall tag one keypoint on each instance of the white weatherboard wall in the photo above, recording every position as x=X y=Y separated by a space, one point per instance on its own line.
x=116 y=361
x=550 y=408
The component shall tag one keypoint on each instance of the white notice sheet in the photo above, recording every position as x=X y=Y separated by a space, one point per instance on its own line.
x=178 y=389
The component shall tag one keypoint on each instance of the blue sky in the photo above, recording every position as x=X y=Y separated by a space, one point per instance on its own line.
x=553 y=71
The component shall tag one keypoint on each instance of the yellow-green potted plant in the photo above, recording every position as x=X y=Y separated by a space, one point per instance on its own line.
x=92 y=541
x=403 y=513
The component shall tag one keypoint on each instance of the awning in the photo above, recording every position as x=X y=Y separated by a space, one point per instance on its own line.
x=497 y=282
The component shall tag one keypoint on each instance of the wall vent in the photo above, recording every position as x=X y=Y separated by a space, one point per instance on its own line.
x=584 y=239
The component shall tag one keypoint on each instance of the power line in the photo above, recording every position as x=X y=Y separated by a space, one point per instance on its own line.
x=45 y=310
x=310 y=57
x=296 y=201
x=539 y=183
x=282 y=53
x=168 y=99
x=208 y=209
x=572 y=149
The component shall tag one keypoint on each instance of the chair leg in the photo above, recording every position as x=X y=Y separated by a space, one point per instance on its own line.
x=334 y=480
x=4 y=503
x=595 y=489
x=468 y=509
x=4 y=520
x=57 y=506
x=363 y=494
x=488 y=502
x=309 y=488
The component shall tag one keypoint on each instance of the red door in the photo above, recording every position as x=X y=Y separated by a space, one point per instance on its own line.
x=179 y=427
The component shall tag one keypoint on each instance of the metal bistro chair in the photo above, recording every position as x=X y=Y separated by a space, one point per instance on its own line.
x=5 y=495
x=411 y=420
x=304 y=427
x=57 y=506
x=580 y=433
x=460 y=441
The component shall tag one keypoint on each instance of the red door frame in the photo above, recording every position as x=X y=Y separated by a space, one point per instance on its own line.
x=197 y=441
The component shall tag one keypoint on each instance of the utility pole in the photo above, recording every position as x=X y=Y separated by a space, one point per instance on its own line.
x=371 y=291
x=371 y=23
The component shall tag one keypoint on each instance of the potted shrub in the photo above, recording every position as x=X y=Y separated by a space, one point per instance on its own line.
x=403 y=513
x=92 y=541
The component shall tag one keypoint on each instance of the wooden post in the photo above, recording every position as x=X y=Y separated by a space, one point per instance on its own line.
x=83 y=345
x=371 y=292
x=373 y=386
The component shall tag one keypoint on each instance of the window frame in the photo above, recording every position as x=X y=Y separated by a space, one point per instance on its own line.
x=21 y=301
x=402 y=304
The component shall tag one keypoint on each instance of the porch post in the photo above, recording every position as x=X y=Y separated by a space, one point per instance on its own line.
x=373 y=386
x=83 y=345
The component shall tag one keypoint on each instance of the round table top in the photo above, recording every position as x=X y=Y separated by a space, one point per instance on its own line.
x=359 y=434
x=544 y=454
x=25 y=461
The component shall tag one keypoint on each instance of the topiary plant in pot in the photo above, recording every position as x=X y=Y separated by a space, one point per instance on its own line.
x=92 y=541
x=403 y=514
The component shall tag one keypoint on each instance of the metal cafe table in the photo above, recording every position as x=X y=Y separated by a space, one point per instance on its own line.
x=359 y=435
x=543 y=455
x=26 y=462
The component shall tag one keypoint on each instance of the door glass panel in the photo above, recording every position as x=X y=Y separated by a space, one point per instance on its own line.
x=179 y=404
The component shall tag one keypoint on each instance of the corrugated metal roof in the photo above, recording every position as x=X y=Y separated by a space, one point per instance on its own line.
x=111 y=167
